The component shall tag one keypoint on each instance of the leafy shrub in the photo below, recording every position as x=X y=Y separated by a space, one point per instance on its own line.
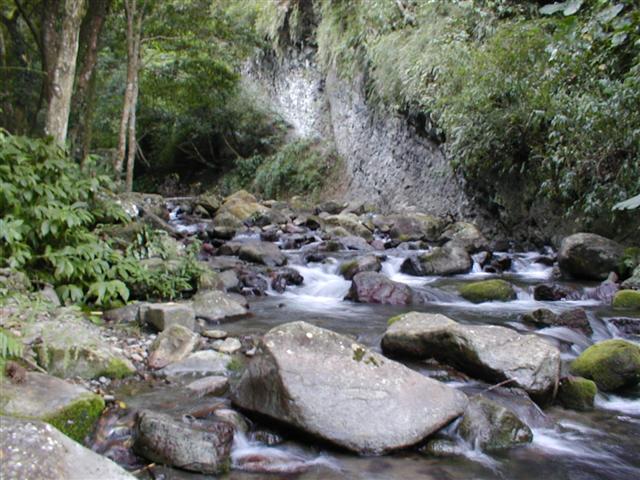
x=49 y=208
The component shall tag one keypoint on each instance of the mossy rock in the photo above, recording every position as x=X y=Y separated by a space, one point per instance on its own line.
x=577 y=393
x=612 y=364
x=487 y=291
x=70 y=408
x=394 y=319
x=627 y=300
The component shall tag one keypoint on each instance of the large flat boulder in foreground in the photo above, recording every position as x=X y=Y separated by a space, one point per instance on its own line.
x=36 y=450
x=330 y=386
x=488 y=352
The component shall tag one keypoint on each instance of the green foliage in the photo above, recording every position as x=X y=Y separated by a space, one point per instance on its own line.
x=49 y=208
x=300 y=167
x=10 y=346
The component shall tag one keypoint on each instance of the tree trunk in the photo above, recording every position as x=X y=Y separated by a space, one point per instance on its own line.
x=57 y=120
x=50 y=40
x=133 y=143
x=82 y=100
x=131 y=9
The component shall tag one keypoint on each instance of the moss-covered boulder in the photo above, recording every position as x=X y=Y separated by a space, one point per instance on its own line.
x=489 y=426
x=488 y=291
x=70 y=408
x=589 y=256
x=627 y=300
x=415 y=226
x=369 y=263
x=577 y=393
x=612 y=364
x=446 y=260
x=351 y=223
x=71 y=346
x=241 y=205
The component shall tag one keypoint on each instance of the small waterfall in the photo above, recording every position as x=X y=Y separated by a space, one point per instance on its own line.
x=255 y=457
x=321 y=283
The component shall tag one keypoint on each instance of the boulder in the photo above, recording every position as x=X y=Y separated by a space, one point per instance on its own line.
x=489 y=426
x=163 y=315
x=575 y=319
x=71 y=346
x=372 y=287
x=369 y=263
x=229 y=345
x=264 y=253
x=589 y=256
x=203 y=448
x=285 y=276
x=209 y=201
x=577 y=393
x=241 y=205
x=199 y=364
x=492 y=353
x=447 y=260
x=71 y=408
x=214 y=385
x=612 y=364
x=128 y=314
x=627 y=300
x=31 y=449
x=215 y=305
x=329 y=386
x=171 y=345
x=351 y=223
x=465 y=235
x=331 y=207
x=551 y=292
x=633 y=282
x=416 y=226
x=488 y=291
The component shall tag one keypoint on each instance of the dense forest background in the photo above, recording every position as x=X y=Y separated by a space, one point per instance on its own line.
x=548 y=92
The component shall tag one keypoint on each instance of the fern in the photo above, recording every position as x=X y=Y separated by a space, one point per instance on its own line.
x=10 y=347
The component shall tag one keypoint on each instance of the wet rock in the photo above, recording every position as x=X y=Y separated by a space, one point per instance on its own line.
x=163 y=440
x=241 y=205
x=284 y=277
x=551 y=292
x=606 y=291
x=215 y=305
x=233 y=418
x=163 y=315
x=229 y=345
x=31 y=449
x=355 y=243
x=213 y=385
x=135 y=203
x=372 y=287
x=377 y=404
x=331 y=207
x=627 y=300
x=489 y=426
x=351 y=223
x=70 y=408
x=575 y=318
x=252 y=282
x=440 y=447
x=171 y=345
x=270 y=217
x=267 y=437
x=589 y=256
x=492 y=353
x=264 y=253
x=71 y=346
x=488 y=291
x=626 y=327
x=416 y=226
x=577 y=393
x=465 y=235
x=221 y=232
x=199 y=364
x=612 y=364
x=350 y=268
x=447 y=260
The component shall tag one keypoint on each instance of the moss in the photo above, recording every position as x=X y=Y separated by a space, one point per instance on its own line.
x=577 y=393
x=348 y=267
x=394 y=319
x=77 y=420
x=627 y=300
x=235 y=365
x=612 y=364
x=117 y=368
x=358 y=354
x=488 y=290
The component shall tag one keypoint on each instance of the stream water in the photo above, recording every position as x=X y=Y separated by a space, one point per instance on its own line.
x=602 y=444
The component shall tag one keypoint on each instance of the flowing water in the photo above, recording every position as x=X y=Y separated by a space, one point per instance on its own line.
x=602 y=444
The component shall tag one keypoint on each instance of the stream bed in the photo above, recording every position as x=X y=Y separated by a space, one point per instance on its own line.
x=601 y=444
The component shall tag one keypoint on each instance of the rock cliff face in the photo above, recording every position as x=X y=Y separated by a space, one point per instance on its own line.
x=387 y=161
